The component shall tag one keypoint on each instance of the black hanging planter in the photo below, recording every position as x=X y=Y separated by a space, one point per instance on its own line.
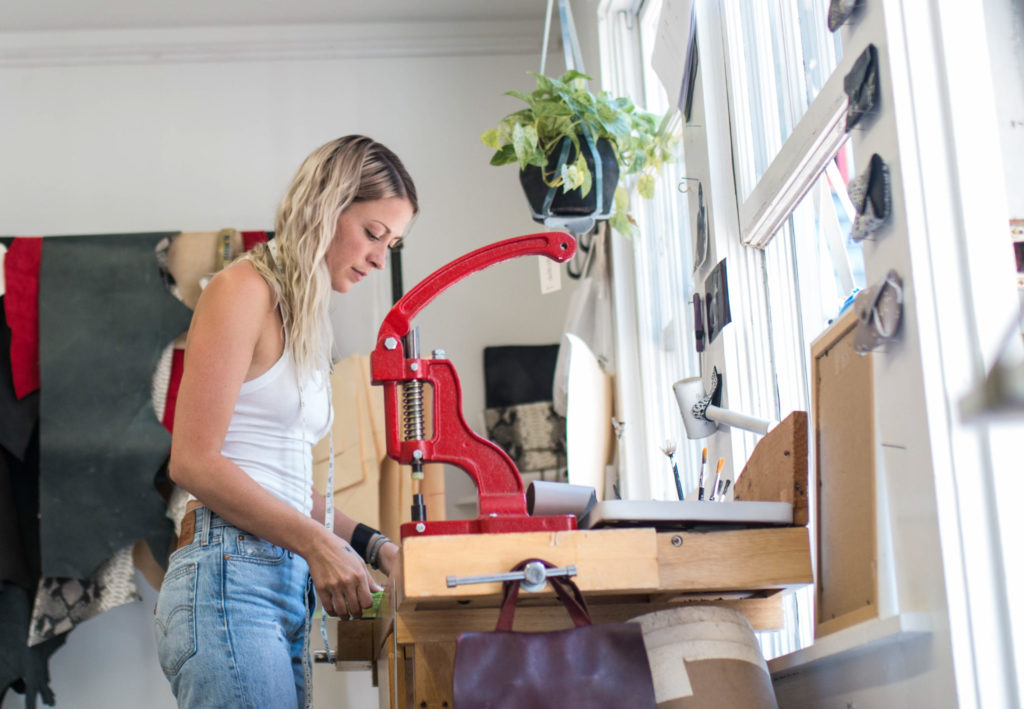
x=571 y=204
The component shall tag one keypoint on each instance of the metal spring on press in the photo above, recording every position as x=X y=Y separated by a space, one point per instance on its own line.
x=412 y=408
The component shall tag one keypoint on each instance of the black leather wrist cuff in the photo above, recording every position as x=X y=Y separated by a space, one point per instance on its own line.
x=361 y=537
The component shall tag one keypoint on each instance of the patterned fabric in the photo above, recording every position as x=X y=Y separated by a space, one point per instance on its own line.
x=161 y=381
x=532 y=434
x=61 y=604
x=871 y=194
x=861 y=86
x=839 y=11
x=879 y=311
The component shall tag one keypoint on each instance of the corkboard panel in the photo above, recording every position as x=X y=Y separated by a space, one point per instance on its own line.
x=777 y=469
x=843 y=429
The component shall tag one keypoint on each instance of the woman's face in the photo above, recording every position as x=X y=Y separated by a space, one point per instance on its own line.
x=365 y=232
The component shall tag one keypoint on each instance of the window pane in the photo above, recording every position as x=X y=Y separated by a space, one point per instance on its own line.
x=666 y=353
x=813 y=268
x=780 y=55
x=663 y=276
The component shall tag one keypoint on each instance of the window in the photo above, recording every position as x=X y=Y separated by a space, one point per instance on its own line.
x=812 y=268
x=766 y=142
x=654 y=339
x=781 y=55
x=798 y=267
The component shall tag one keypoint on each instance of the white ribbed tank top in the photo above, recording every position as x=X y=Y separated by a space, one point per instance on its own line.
x=271 y=436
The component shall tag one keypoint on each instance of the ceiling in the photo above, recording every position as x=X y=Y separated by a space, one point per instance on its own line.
x=55 y=15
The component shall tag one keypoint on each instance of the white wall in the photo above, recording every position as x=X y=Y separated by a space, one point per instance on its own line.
x=127 y=131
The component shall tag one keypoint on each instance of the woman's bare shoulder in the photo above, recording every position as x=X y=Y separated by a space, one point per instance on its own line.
x=234 y=307
x=239 y=286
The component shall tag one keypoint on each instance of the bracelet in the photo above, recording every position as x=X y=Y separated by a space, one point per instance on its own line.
x=373 y=553
x=373 y=550
x=361 y=537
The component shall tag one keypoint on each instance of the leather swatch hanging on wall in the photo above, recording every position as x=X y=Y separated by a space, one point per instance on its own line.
x=105 y=316
x=23 y=668
x=21 y=273
x=17 y=416
x=19 y=545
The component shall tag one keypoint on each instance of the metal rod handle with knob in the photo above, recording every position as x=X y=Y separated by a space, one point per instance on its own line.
x=534 y=576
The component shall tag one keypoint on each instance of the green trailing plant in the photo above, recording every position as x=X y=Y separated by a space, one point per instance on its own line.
x=559 y=108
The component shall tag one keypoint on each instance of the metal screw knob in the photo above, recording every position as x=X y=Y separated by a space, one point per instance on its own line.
x=439 y=354
x=534 y=576
x=390 y=343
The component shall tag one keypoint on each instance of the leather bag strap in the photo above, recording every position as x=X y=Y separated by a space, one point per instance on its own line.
x=566 y=590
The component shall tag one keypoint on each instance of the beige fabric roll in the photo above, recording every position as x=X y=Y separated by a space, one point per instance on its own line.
x=705 y=657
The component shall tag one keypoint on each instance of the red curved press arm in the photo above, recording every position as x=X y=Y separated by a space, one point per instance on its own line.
x=556 y=245
x=498 y=482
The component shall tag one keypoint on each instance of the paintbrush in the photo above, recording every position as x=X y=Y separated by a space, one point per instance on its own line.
x=725 y=488
x=718 y=477
x=669 y=449
x=700 y=480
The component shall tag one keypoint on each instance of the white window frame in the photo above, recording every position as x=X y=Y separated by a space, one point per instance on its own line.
x=957 y=227
x=804 y=156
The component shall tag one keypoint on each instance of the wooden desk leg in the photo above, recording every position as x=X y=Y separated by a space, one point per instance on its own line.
x=432 y=675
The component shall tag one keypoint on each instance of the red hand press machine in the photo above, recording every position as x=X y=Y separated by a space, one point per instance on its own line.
x=396 y=364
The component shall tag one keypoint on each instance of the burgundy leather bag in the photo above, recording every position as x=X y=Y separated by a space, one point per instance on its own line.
x=588 y=666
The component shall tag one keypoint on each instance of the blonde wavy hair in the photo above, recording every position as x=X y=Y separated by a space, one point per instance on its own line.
x=334 y=176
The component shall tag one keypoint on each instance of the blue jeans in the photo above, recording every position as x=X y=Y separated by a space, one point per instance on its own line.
x=232 y=621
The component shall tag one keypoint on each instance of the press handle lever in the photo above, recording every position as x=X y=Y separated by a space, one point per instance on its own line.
x=534 y=576
x=556 y=245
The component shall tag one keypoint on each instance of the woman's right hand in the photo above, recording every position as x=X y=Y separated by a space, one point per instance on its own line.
x=342 y=581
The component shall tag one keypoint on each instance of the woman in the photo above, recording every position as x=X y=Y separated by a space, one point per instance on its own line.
x=232 y=619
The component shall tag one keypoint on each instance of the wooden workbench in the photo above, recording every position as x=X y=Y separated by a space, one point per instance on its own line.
x=623 y=573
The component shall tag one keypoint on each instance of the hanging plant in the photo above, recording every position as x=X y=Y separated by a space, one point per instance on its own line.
x=558 y=132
